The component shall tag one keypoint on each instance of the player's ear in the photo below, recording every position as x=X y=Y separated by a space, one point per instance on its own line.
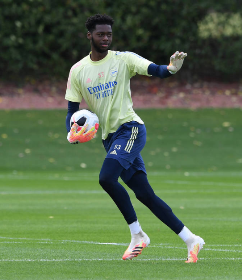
x=89 y=35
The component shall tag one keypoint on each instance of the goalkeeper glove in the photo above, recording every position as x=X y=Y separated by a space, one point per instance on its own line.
x=75 y=135
x=176 y=62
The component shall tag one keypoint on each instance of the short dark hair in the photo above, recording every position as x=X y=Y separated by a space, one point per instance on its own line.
x=98 y=19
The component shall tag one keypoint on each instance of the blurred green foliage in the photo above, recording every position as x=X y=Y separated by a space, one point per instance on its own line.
x=41 y=37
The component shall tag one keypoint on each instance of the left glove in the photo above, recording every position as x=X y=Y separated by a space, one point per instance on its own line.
x=75 y=136
x=176 y=62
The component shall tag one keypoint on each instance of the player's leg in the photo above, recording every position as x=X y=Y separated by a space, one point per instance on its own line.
x=120 y=155
x=144 y=193
x=108 y=179
x=122 y=148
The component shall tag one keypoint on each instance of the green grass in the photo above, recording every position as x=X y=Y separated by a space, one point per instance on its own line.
x=57 y=223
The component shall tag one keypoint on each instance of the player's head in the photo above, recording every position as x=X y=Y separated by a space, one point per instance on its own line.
x=98 y=19
x=100 y=32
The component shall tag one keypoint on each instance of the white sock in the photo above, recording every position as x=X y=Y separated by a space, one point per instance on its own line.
x=135 y=228
x=185 y=234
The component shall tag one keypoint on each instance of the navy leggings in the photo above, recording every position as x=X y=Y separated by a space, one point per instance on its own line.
x=108 y=179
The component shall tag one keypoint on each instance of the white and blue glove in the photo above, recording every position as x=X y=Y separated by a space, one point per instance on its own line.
x=176 y=62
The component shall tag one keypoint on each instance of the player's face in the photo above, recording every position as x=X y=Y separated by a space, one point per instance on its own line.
x=101 y=38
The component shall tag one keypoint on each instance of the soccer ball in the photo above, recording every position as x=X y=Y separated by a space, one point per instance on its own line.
x=83 y=117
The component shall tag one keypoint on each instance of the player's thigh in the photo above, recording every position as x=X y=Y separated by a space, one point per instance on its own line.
x=128 y=144
x=110 y=171
x=138 y=165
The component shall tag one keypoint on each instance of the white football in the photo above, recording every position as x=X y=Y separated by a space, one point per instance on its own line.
x=83 y=117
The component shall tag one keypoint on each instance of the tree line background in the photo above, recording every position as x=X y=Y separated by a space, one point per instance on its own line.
x=45 y=38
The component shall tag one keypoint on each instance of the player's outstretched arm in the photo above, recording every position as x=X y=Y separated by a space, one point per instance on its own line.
x=164 y=71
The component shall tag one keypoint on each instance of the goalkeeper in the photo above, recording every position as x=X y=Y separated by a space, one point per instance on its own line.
x=102 y=78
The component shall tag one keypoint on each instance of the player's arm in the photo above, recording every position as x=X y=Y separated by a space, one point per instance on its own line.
x=160 y=71
x=164 y=71
x=76 y=134
x=72 y=108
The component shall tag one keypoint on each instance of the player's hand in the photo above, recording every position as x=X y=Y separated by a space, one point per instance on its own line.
x=176 y=62
x=81 y=136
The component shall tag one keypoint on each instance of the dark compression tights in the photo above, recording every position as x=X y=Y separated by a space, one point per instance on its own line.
x=108 y=179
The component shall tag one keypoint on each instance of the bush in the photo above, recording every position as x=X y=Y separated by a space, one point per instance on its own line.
x=41 y=37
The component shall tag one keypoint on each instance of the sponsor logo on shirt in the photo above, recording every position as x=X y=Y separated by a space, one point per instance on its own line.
x=103 y=90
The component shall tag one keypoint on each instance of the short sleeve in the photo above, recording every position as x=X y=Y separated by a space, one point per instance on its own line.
x=73 y=90
x=137 y=64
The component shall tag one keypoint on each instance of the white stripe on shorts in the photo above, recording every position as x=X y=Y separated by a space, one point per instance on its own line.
x=133 y=136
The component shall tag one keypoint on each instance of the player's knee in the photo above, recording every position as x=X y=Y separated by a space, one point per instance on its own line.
x=102 y=179
x=146 y=197
x=106 y=181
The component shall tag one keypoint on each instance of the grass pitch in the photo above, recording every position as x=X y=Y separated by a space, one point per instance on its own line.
x=57 y=223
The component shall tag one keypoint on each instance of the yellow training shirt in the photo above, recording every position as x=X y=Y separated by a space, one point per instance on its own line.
x=105 y=86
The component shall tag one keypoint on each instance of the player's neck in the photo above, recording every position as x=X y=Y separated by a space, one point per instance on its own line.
x=96 y=56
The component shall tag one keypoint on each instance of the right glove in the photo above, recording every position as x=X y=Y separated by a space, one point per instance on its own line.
x=75 y=135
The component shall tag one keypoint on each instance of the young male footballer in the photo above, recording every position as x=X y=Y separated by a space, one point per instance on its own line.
x=102 y=78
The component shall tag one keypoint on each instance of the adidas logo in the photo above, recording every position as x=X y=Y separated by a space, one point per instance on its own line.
x=88 y=80
x=113 y=152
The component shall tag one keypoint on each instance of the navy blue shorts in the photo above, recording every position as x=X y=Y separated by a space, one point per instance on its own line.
x=125 y=146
